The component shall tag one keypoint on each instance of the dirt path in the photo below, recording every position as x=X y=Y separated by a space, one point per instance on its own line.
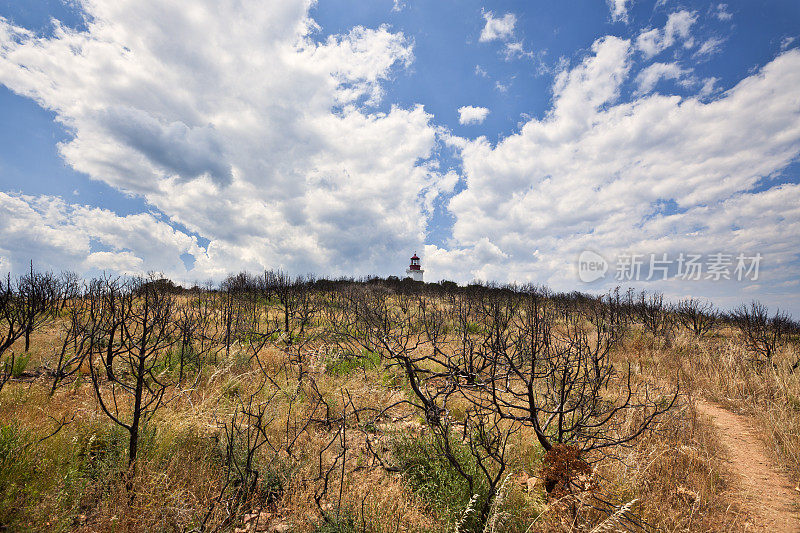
x=767 y=494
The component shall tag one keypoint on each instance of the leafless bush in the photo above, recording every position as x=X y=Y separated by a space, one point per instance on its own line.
x=697 y=315
x=297 y=302
x=146 y=334
x=26 y=304
x=40 y=297
x=408 y=330
x=558 y=380
x=79 y=335
x=236 y=312
x=654 y=315
x=517 y=360
x=763 y=334
x=249 y=480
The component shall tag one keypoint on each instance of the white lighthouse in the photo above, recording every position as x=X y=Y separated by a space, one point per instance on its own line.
x=414 y=271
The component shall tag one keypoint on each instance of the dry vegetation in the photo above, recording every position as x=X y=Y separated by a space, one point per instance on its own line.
x=277 y=404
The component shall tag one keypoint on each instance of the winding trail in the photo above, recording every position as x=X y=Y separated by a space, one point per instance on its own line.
x=766 y=494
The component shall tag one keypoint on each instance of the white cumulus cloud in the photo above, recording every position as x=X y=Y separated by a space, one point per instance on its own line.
x=495 y=28
x=472 y=115
x=57 y=235
x=647 y=79
x=619 y=10
x=710 y=46
x=269 y=145
x=722 y=12
x=262 y=140
x=654 y=41
x=595 y=172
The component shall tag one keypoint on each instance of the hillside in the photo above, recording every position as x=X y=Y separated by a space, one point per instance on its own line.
x=278 y=404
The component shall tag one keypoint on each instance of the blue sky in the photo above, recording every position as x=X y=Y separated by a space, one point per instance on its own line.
x=335 y=137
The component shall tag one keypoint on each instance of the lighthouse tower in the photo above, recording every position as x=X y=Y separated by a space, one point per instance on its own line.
x=414 y=271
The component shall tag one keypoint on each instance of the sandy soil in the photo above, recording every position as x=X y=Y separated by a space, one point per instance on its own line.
x=765 y=493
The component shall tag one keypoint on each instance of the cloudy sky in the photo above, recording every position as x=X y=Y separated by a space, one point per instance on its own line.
x=499 y=140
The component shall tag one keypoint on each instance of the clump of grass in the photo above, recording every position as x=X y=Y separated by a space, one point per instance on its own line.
x=18 y=473
x=101 y=451
x=613 y=522
x=467 y=515
x=435 y=480
x=342 y=524
x=392 y=379
x=54 y=479
x=343 y=365
x=21 y=362
x=497 y=515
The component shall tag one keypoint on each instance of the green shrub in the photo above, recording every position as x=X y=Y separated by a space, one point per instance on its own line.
x=18 y=473
x=20 y=364
x=436 y=481
x=392 y=379
x=474 y=328
x=43 y=479
x=345 y=364
x=100 y=452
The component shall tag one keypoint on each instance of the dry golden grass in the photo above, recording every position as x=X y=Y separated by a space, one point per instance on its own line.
x=721 y=369
x=672 y=479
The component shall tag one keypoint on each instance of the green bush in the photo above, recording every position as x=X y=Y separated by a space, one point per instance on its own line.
x=344 y=365
x=18 y=473
x=42 y=479
x=474 y=328
x=436 y=481
x=20 y=364
x=100 y=452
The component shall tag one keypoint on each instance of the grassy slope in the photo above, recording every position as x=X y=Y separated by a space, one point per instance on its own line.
x=76 y=479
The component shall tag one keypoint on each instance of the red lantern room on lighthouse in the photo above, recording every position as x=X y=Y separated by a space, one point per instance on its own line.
x=414 y=271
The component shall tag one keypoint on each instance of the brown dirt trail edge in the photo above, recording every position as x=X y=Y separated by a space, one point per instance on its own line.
x=765 y=493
